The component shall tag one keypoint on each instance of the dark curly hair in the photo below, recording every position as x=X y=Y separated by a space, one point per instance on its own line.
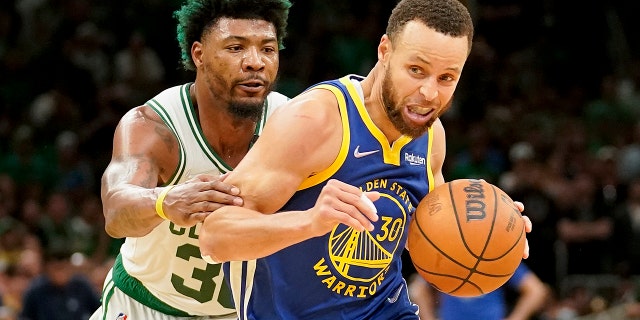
x=195 y=17
x=449 y=17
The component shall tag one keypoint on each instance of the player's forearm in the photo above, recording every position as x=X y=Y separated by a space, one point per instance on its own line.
x=248 y=234
x=532 y=299
x=130 y=211
x=523 y=311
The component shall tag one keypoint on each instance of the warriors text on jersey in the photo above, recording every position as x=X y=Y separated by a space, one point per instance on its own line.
x=345 y=274
x=164 y=269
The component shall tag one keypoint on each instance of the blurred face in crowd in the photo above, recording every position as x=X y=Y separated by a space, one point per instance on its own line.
x=422 y=69
x=239 y=59
x=59 y=271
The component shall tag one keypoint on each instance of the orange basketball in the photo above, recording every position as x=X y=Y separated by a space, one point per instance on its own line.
x=466 y=238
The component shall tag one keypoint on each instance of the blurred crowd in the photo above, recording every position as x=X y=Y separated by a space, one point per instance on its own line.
x=548 y=109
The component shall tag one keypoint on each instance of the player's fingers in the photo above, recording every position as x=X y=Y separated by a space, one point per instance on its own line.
x=215 y=182
x=219 y=198
x=218 y=185
x=369 y=209
x=361 y=209
x=211 y=177
x=525 y=255
x=208 y=206
x=358 y=224
x=372 y=195
x=346 y=200
x=528 y=226
x=365 y=209
x=520 y=205
x=346 y=212
x=190 y=219
x=198 y=216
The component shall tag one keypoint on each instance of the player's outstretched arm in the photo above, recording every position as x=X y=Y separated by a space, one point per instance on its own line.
x=301 y=139
x=145 y=153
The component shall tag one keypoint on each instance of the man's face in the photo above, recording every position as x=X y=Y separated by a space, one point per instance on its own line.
x=240 y=64
x=422 y=71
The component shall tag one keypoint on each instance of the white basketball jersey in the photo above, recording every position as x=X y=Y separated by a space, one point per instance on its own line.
x=164 y=269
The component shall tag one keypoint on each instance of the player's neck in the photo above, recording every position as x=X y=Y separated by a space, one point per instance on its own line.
x=374 y=103
x=229 y=136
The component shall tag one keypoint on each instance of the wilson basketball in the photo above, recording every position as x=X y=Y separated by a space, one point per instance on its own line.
x=466 y=238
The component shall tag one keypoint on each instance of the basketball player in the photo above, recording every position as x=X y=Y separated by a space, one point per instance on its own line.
x=321 y=252
x=168 y=155
x=531 y=296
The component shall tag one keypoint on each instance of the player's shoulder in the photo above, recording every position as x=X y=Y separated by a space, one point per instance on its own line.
x=140 y=116
x=438 y=129
x=168 y=102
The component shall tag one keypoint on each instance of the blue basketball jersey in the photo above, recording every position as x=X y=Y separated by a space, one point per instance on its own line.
x=490 y=306
x=345 y=274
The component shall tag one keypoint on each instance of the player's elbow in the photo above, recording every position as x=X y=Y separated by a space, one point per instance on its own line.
x=112 y=232
x=210 y=248
x=110 y=225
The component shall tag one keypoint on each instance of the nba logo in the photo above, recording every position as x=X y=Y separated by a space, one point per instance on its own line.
x=121 y=316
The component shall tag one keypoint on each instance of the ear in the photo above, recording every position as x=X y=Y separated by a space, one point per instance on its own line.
x=196 y=53
x=384 y=48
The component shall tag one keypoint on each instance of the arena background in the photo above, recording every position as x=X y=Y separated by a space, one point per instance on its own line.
x=548 y=108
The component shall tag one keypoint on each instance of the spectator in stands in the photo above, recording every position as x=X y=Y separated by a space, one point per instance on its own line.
x=626 y=232
x=139 y=72
x=480 y=159
x=60 y=293
x=526 y=181
x=584 y=228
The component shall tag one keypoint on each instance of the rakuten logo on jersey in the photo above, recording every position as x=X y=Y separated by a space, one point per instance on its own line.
x=414 y=160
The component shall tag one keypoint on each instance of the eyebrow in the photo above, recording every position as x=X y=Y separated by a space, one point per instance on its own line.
x=454 y=69
x=242 y=39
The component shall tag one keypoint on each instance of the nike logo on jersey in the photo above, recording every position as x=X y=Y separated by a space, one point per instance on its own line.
x=358 y=154
x=395 y=297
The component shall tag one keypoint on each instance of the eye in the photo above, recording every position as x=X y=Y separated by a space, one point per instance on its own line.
x=269 y=49
x=234 y=48
x=415 y=70
x=447 y=78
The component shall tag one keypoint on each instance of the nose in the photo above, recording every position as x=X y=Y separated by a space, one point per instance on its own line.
x=252 y=60
x=429 y=89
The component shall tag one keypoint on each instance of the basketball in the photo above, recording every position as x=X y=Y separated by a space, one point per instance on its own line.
x=466 y=238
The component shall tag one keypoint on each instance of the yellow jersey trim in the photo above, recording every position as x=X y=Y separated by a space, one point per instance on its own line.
x=390 y=152
x=344 y=149
x=429 y=171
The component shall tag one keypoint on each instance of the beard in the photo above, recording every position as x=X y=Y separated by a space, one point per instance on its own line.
x=248 y=107
x=394 y=112
x=249 y=110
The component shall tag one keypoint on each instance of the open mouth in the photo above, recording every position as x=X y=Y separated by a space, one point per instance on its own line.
x=419 y=114
x=422 y=111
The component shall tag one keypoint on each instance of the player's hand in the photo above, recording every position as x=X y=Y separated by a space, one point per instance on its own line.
x=527 y=227
x=342 y=203
x=190 y=202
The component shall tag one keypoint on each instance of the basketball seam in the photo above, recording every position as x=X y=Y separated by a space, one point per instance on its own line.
x=479 y=258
